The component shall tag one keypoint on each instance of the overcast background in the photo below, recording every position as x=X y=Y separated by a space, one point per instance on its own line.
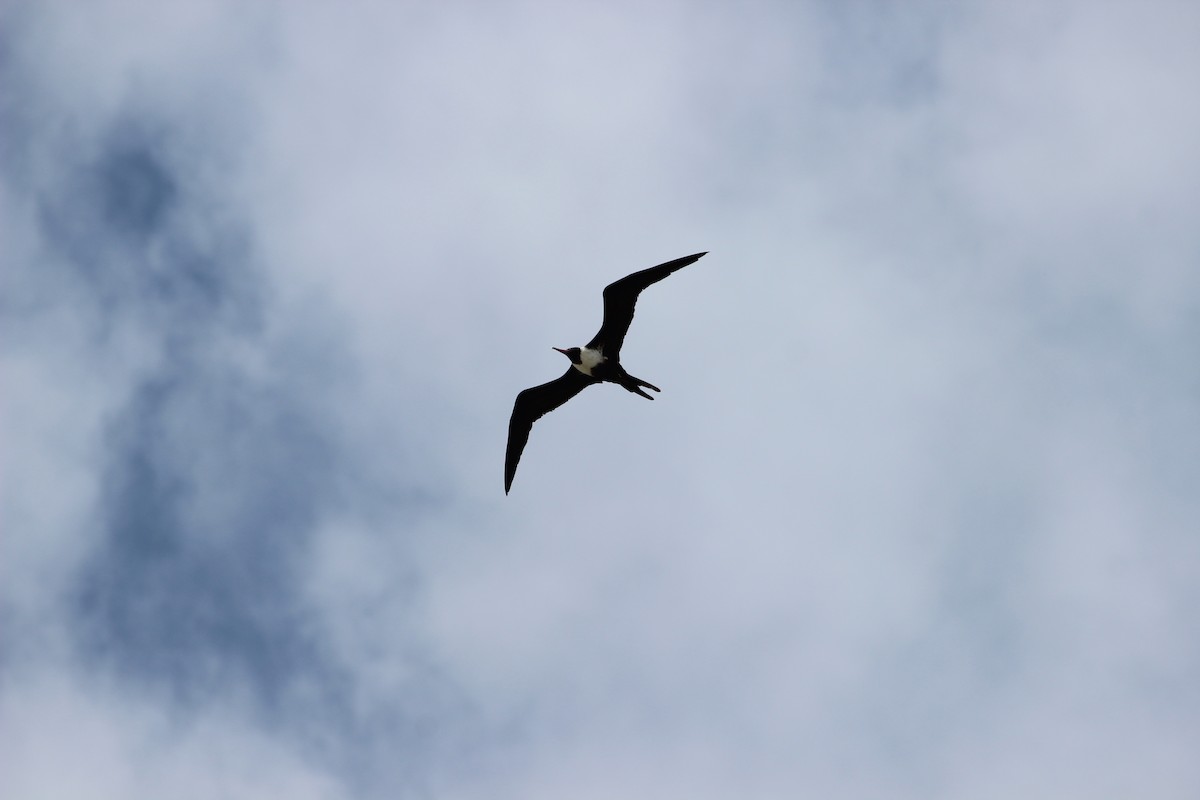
x=915 y=515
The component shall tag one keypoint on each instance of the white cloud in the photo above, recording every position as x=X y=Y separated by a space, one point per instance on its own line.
x=70 y=736
x=910 y=518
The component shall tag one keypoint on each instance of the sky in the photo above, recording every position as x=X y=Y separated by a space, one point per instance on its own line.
x=914 y=516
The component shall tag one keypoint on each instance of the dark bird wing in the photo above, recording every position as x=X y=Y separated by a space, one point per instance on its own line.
x=532 y=405
x=620 y=298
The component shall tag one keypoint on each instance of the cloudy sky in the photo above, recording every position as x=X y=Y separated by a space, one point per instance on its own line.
x=915 y=515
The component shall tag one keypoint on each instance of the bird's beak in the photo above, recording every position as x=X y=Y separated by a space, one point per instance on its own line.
x=559 y=349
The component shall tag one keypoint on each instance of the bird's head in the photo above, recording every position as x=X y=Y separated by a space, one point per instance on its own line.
x=571 y=353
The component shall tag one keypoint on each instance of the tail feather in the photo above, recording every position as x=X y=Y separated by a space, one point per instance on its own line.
x=634 y=385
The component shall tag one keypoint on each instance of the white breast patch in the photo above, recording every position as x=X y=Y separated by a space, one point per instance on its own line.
x=590 y=359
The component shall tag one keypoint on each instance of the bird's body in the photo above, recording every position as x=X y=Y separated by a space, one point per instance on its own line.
x=589 y=360
x=596 y=362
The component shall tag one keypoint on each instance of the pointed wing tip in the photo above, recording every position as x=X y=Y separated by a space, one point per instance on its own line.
x=510 y=472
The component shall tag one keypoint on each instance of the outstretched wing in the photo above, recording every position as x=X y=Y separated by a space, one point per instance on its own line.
x=532 y=405
x=620 y=298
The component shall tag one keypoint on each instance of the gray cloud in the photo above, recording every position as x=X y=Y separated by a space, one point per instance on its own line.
x=911 y=518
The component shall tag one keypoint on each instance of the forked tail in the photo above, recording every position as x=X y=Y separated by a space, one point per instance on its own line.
x=634 y=385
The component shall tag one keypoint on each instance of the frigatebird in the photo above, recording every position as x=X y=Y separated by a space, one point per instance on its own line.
x=596 y=362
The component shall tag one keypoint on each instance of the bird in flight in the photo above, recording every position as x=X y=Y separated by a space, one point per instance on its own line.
x=595 y=362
